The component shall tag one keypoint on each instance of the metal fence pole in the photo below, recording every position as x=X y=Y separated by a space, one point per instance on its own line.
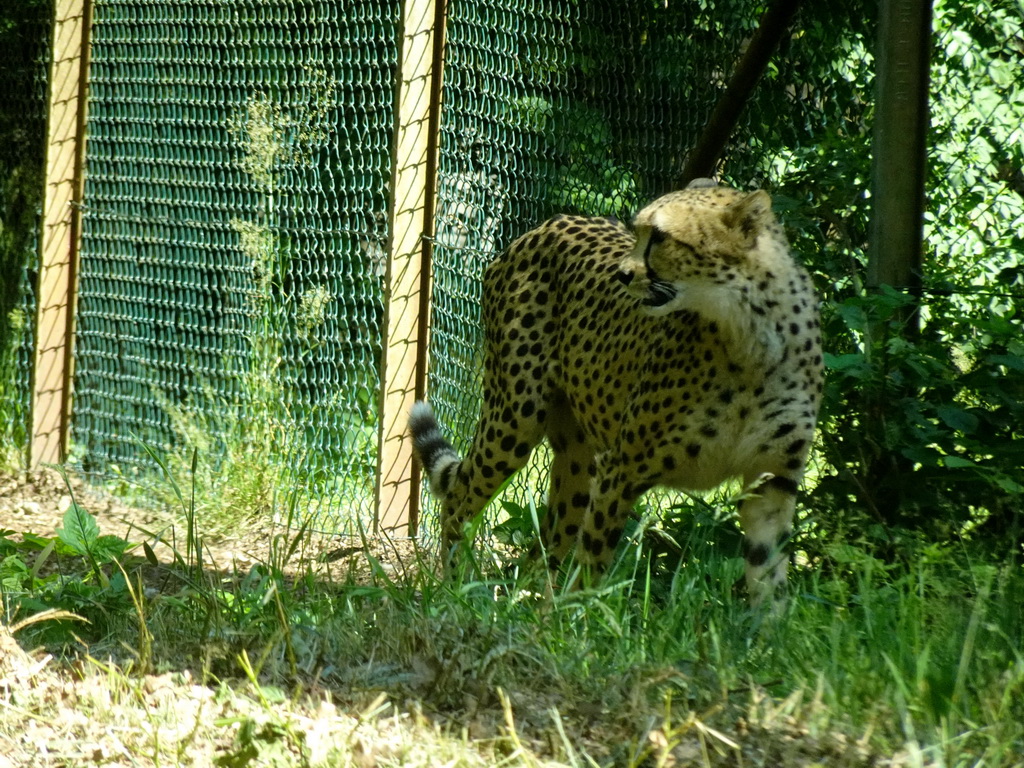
x=65 y=153
x=900 y=132
x=407 y=286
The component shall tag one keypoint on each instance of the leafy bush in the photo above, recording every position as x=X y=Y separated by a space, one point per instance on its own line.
x=923 y=433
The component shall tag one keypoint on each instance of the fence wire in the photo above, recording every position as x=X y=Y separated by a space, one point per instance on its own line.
x=975 y=219
x=239 y=161
x=24 y=62
x=230 y=293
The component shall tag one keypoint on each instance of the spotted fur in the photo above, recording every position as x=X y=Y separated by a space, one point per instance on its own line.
x=682 y=353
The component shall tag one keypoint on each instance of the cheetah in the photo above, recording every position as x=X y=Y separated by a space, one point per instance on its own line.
x=681 y=353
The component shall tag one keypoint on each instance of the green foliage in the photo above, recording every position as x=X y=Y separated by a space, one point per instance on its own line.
x=29 y=582
x=81 y=536
x=920 y=429
x=24 y=40
x=923 y=433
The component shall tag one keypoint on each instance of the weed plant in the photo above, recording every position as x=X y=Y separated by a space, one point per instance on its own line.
x=273 y=431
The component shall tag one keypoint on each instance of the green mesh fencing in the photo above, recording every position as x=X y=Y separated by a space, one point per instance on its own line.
x=238 y=169
x=24 y=60
x=230 y=293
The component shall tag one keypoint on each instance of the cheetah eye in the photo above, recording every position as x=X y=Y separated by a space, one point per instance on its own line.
x=649 y=270
x=656 y=237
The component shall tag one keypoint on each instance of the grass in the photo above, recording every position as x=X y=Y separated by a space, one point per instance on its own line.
x=13 y=407
x=913 y=663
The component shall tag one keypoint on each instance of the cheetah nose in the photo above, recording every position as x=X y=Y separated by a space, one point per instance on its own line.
x=624 y=277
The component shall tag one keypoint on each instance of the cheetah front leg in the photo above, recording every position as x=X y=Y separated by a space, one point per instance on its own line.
x=766 y=516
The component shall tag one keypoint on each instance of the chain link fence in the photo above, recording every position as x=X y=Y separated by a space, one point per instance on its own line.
x=976 y=151
x=239 y=160
x=24 y=61
x=230 y=295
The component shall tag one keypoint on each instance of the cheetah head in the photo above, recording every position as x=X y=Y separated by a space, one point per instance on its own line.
x=691 y=247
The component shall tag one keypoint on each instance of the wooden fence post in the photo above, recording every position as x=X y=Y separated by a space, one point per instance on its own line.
x=411 y=232
x=65 y=153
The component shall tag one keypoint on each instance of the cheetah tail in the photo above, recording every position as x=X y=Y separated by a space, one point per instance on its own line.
x=438 y=458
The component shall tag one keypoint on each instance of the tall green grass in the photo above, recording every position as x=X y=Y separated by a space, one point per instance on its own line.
x=919 y=661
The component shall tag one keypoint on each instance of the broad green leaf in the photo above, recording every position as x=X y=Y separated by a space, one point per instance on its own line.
x=957 y=462
x=1008 y=484
x=957 y=418
x=79 y=530
x=1010 y=361
x=108 y=548
x=853 y=364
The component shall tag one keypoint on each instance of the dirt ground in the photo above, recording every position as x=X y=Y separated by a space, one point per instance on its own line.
x=35 y=502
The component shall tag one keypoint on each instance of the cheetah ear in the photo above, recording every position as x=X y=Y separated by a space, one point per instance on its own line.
x=702 y=183
x=749 y=216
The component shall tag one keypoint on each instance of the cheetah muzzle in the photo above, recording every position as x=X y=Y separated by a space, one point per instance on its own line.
x=682 y=353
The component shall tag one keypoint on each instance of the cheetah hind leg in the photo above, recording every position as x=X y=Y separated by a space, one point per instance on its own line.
x=571 y=474
x=465 y=486
x=614 y=495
